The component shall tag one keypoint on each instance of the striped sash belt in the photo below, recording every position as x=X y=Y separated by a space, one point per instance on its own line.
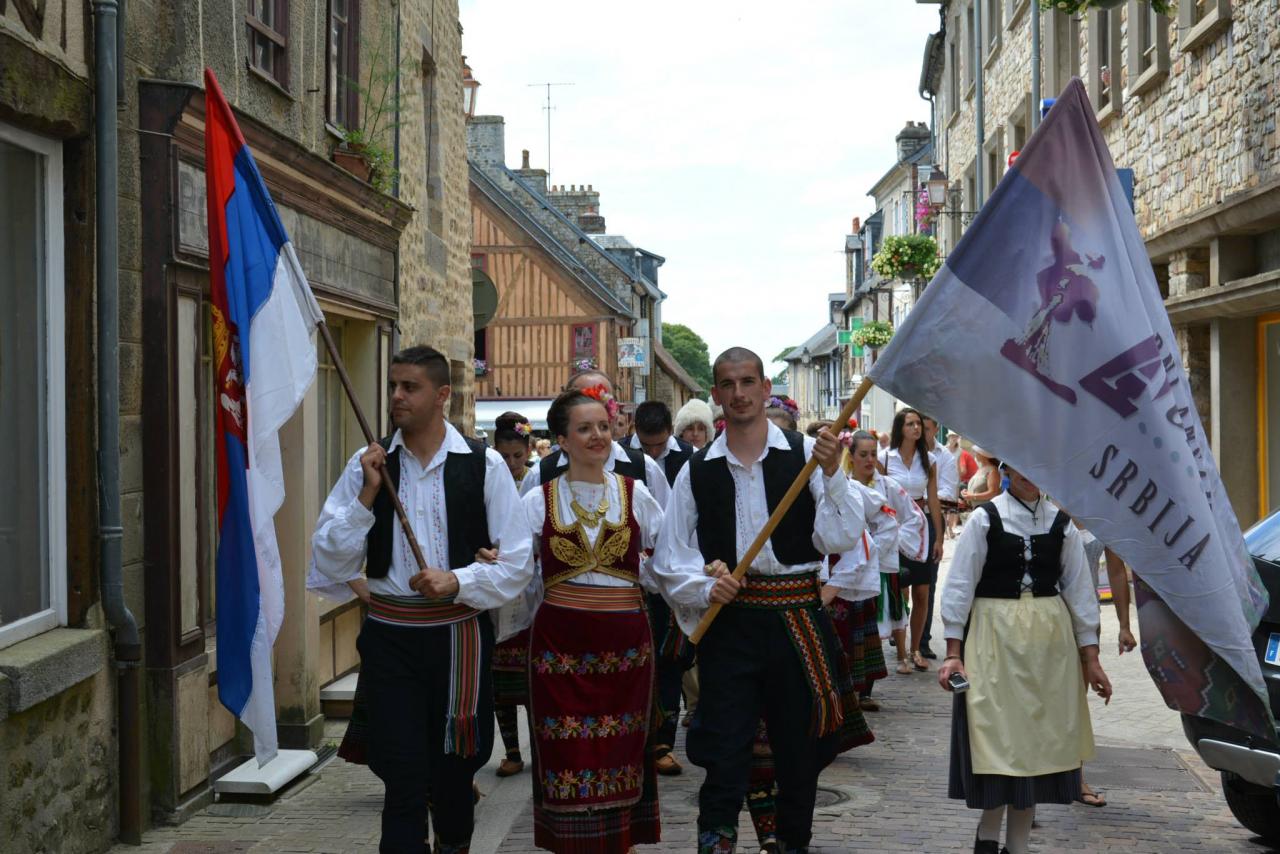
x=466 y=659
x=797 y=599
x=586 y=597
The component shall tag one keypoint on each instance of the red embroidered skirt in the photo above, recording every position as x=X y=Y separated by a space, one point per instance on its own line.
x=591 y=675
x=511 y=671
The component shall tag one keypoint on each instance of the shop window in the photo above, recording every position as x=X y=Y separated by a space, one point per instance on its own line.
x=268 y=24
x=342 y=70
x=1200 y=21
x=1104 y=63
x=1148 y=47
x=32 y=377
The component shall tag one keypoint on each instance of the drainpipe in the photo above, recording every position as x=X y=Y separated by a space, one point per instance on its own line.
x=979 y=42
x=128 y=648
x=1035 y=66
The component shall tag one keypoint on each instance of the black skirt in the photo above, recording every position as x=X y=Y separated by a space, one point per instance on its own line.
x=988 y=791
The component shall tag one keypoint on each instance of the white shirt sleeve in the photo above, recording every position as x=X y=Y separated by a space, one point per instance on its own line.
x=1077 y=588
x=956 y=596
x=649 y=517
x=913 y=540
x=857 y=573
x=678 y=567
x=655 y=478
x=840 y=521
x=489 y=585
x=338 y=545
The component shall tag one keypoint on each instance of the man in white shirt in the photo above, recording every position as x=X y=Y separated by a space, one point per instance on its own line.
x=748 y=660
x=426 y=646
x=632 y=463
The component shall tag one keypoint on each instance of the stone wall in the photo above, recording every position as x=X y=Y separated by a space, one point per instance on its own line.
x=435 y=249
x=58 y=768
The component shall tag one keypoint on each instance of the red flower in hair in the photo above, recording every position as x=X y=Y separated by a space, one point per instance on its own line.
x=600 y=393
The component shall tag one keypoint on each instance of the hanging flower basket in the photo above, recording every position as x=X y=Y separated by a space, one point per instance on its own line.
x=873 y=335
x=1076 y=7
x=907 y=256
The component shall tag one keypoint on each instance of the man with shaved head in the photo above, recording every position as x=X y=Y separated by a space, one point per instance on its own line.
x=749 y=661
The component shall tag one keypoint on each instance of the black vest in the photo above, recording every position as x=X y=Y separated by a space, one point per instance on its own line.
x=1007 y=561
x=675 y=460
x=550 y=469
x=463 y=502
x=713 y=492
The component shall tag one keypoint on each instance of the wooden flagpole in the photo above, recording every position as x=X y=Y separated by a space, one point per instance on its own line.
x=801 y=482
x=369 y=439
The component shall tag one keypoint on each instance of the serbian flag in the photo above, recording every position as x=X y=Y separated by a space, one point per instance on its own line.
x=1044 y=338
x=263 y=317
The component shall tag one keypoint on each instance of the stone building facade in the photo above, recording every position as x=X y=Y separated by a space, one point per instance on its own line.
x=1187 y=102
x=388 y=262
x=58 y=756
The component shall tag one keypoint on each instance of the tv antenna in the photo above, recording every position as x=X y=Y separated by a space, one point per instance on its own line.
x=549 y=108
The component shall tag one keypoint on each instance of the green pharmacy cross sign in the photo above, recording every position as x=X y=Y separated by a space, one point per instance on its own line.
x=844 y=337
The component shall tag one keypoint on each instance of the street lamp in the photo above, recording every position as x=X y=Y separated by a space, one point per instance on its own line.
x=806 y=357
x=469 y=87
x=937 y=187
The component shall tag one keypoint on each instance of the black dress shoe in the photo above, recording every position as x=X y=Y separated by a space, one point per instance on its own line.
x=986 y=846
x=928 y=653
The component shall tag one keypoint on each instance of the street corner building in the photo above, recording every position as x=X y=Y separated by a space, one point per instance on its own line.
x=109 y=712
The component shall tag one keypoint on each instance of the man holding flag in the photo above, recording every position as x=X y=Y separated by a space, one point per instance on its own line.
x=1050 y=304
x=264 y=360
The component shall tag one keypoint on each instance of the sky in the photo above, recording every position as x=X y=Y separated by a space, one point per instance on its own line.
x=737 y=140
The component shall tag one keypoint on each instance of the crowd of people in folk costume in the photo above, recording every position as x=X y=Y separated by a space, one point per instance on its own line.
x=571 y=585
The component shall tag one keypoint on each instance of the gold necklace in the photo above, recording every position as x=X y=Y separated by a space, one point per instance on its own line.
x=590 y=518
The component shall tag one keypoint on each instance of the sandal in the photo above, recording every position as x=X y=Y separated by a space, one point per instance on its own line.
x=1090 y=798
x=917 y=661
x=904 y=667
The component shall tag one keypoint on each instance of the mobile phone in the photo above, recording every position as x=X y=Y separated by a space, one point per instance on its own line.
x=958 y=683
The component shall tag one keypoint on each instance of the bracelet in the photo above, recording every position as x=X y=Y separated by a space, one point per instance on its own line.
x=953 y=658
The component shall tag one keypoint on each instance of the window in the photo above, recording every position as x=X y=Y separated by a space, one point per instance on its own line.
x=584 y=341
x=482 y=345
x=970 y=49
x=992 y=24
x=1200 y=21
x=1062 y=52
x=342 y=102
x=993 y=165
x=268 y=22
x=1104 y=62
x=1013 y=8
x=32 y=449
x=1018 y=126
x=953 y=76
x=1148 y=47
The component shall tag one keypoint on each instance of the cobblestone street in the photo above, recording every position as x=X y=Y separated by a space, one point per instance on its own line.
x=887 y=796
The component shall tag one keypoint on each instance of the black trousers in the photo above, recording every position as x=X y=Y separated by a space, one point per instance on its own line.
x=405 y=676
x=669 y=672
x=749 y=669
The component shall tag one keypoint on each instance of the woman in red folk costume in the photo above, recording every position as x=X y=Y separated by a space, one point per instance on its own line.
x=591 y=655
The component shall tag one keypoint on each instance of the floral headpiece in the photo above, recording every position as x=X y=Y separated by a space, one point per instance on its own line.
x=601 y=394
x=523 y=429
x=784 y=403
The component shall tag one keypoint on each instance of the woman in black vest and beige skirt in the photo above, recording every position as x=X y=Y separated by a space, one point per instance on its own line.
x=1021 y=618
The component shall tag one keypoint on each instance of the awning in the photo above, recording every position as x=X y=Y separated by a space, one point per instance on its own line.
x=535 y=409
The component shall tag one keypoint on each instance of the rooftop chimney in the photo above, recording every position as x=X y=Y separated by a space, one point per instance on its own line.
x=857 y=225
x=486 y=140
x=524 y=159
x=913 y=137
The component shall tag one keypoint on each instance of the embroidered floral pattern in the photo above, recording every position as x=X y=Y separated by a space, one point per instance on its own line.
x=508 y=657
x=602 y=726
x=588 y=663
x=587 y=783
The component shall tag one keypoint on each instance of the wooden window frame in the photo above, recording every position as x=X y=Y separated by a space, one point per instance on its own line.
x=1106 y=103
x=595 y=342
x=1142 y=79
x=343 y=91
x=278 y=36
x=1196 y=34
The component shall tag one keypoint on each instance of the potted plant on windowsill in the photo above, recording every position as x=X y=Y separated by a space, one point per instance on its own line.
x=482 y=367
x=1075 y=7
x=587 y=364
x=363 y=150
